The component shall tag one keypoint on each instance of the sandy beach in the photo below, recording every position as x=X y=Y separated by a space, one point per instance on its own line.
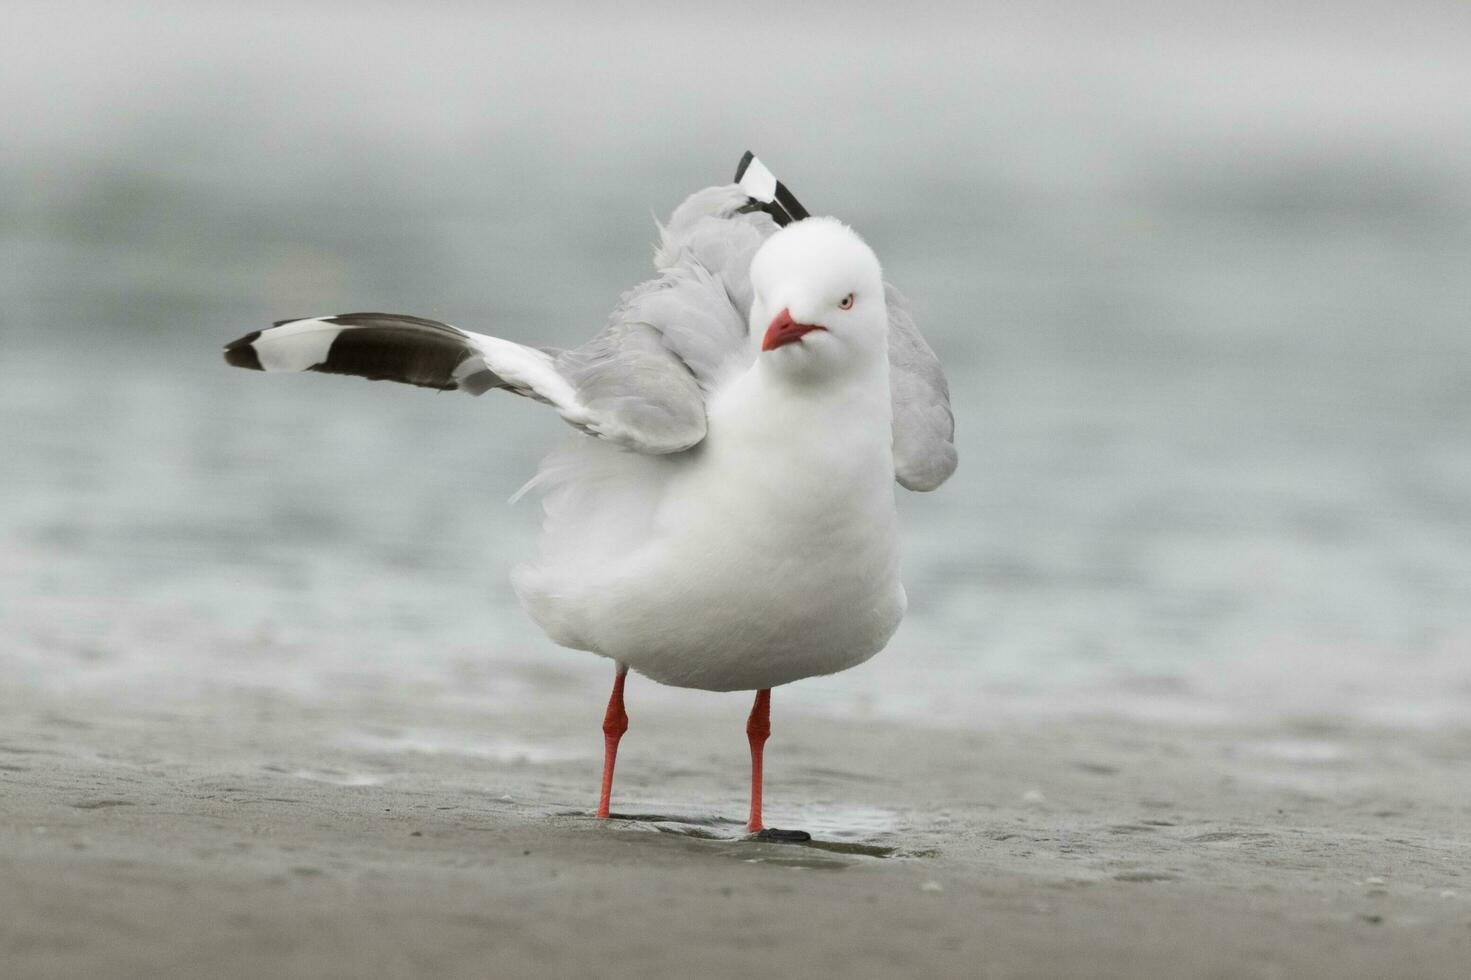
x=245 y=835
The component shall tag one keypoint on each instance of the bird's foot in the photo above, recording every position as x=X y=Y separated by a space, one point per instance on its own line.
x=782 y=836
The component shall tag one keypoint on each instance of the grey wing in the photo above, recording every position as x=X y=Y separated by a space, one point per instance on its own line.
x=679 y=336
x=667 y=345
x=924 y=427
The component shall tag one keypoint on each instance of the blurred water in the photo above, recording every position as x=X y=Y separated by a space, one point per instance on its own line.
x=1199 y=275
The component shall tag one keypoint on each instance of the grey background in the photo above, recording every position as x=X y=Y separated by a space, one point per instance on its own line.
x=1199 y=274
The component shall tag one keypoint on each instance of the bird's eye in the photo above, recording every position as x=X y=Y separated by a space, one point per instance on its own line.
x=846 y=303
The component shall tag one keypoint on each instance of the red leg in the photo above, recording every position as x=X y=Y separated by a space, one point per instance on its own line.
x=758 y=727
x=615 y=723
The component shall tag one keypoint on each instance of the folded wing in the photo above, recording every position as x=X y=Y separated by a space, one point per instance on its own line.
x=924 y=426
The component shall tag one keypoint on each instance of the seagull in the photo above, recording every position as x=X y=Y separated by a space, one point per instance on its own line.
x=724 y=516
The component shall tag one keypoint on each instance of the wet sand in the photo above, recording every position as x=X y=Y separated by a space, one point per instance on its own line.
x=246 y=833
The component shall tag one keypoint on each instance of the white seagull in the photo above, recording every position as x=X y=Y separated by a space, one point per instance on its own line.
x=724 y=518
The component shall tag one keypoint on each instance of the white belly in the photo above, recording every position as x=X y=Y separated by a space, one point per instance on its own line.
x=773 y=556
x=739 y=606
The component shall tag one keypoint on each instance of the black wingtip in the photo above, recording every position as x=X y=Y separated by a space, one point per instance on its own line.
x=245 y=341
x=741 y=167
x=241 y=353
x=784 y=207
x=788 y=201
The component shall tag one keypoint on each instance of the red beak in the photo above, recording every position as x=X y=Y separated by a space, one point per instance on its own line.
x=784 y=330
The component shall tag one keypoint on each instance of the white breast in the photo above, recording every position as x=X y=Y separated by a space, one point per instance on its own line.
x=773 y=554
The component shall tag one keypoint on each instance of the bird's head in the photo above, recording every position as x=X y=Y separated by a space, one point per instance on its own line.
x=819 y=308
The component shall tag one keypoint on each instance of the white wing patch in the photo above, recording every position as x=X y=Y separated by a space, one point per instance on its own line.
x=531 y=371
x=758 y=182
x=297 y=346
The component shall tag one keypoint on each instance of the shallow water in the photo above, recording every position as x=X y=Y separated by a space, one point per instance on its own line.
x=1205 y=318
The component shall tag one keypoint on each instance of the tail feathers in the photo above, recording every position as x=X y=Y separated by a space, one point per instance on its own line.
x=766 y=192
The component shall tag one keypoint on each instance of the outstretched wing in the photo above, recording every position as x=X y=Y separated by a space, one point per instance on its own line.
x=640 y=383
x=658 y=407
